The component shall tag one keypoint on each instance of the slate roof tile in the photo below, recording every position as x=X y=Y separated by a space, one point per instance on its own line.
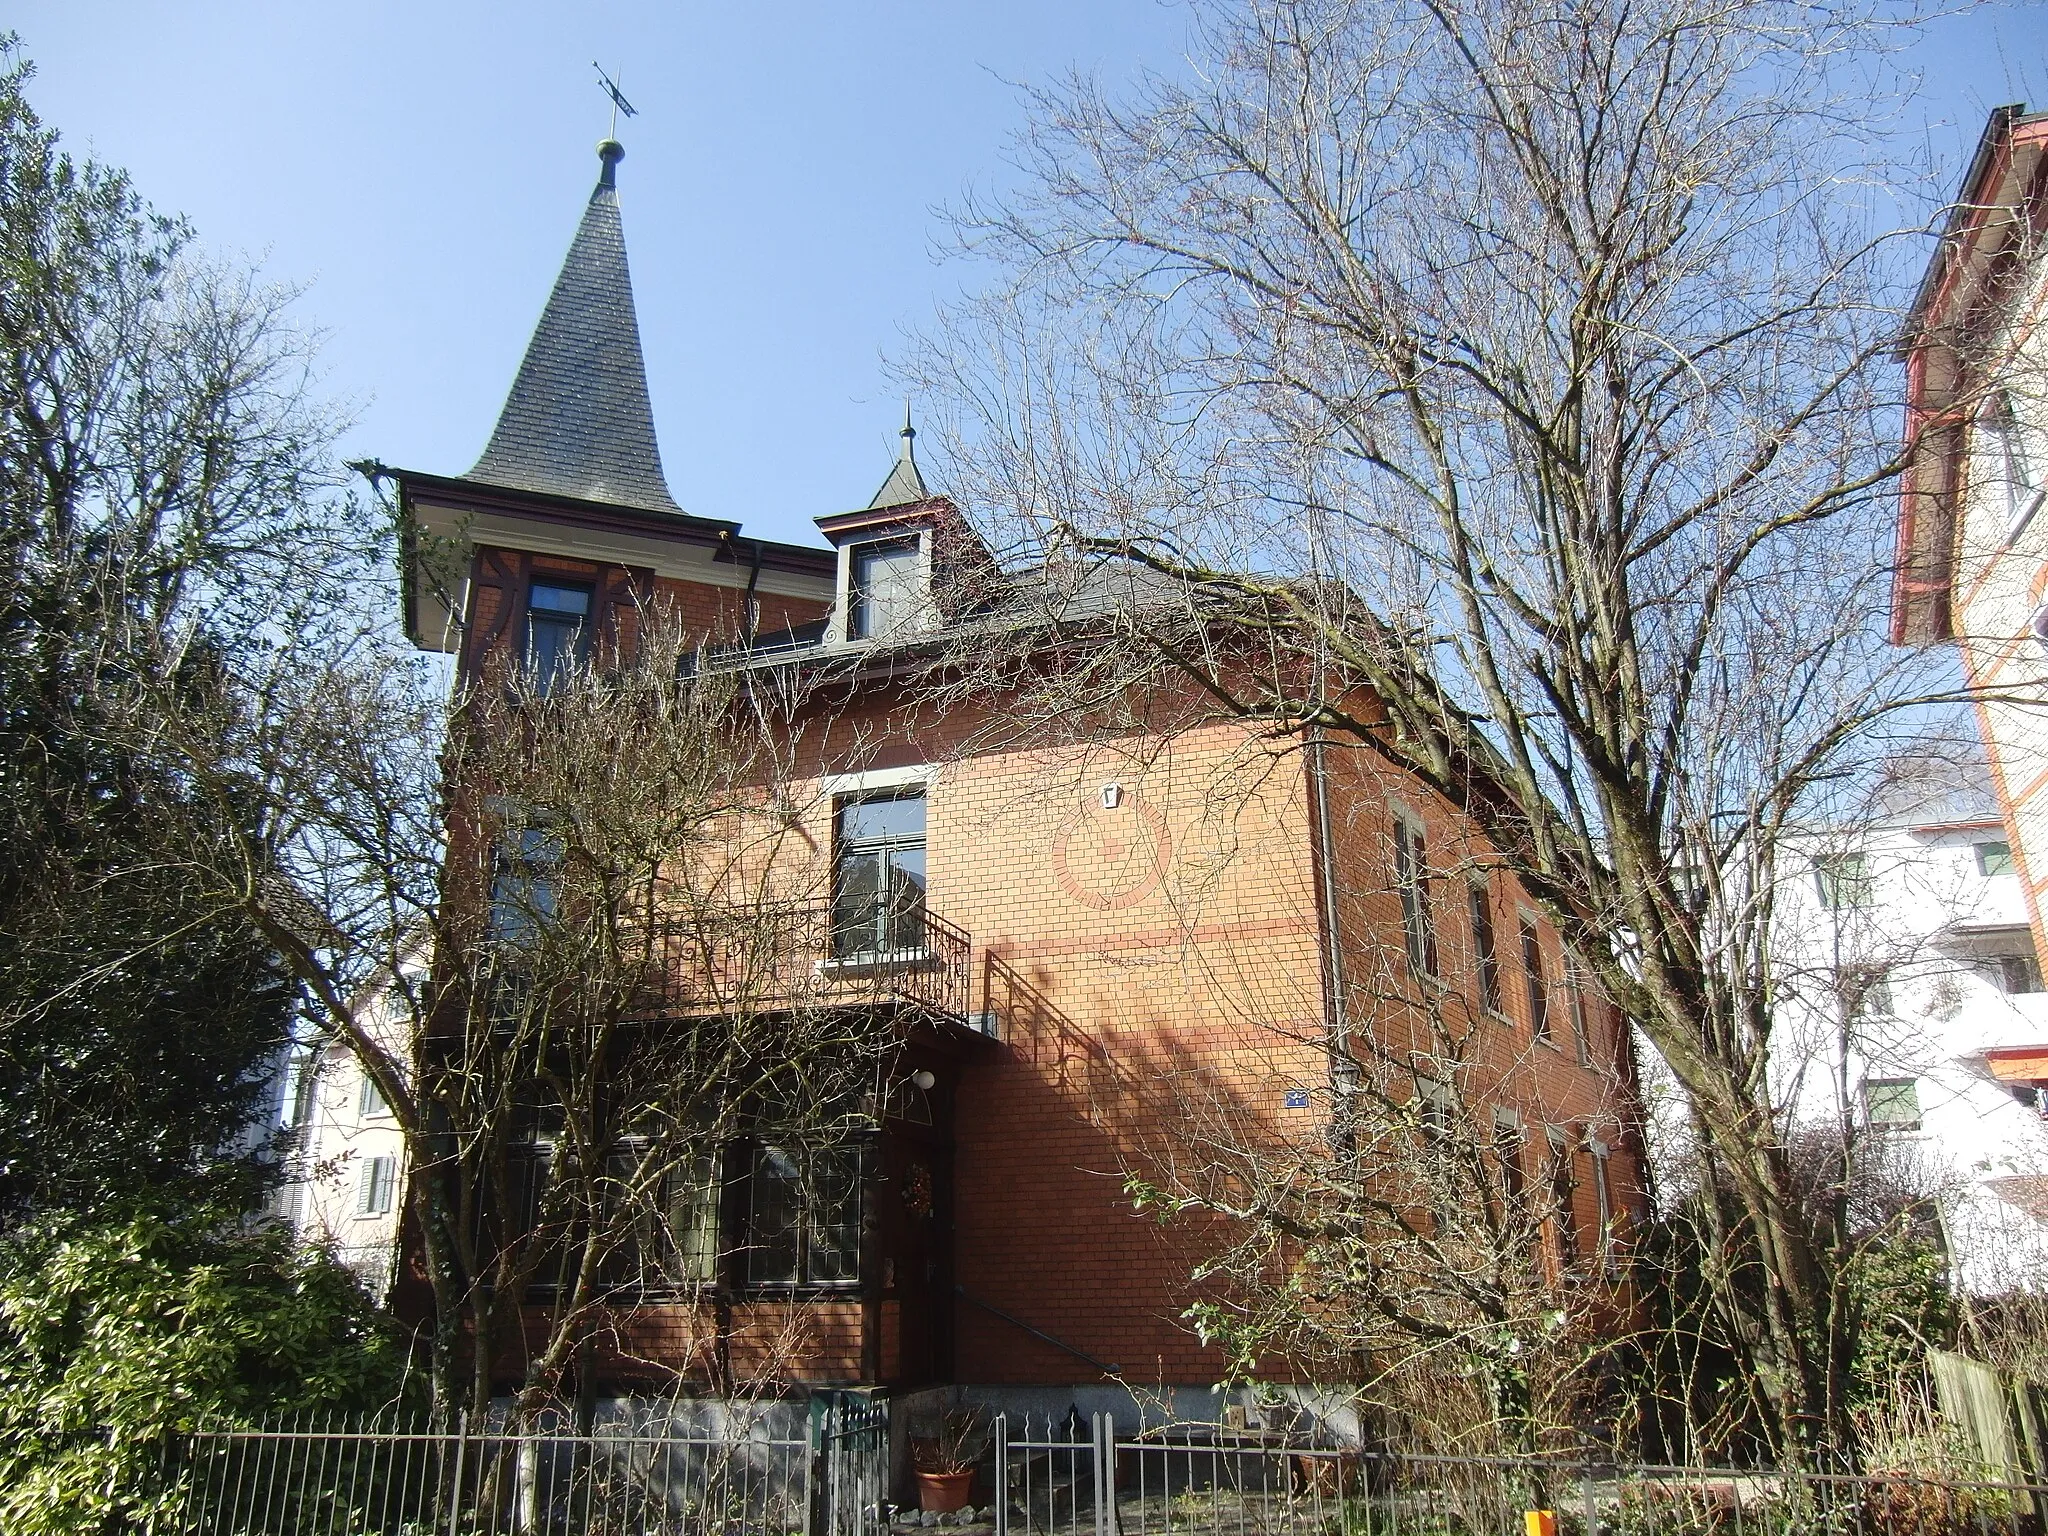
x=577 y=421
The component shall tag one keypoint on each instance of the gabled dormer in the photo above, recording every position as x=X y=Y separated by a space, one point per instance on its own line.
x=908 y=562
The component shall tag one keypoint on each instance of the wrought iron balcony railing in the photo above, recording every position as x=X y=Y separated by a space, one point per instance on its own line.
x=770 y=957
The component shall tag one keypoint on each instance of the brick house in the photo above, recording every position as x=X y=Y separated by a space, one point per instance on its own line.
x=1091 y=931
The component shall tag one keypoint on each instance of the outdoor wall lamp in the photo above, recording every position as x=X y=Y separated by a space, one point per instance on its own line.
x=923 y=1079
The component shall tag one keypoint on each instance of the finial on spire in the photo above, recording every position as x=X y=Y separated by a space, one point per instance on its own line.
x=905 y=484
x=611 y=152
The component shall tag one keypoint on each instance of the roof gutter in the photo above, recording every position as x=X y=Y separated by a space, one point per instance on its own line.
x=1997 y=130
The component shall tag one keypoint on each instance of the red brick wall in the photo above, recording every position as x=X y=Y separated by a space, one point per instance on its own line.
x=1542 y=1079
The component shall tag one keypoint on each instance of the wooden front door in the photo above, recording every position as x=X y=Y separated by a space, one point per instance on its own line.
x=915 y=1199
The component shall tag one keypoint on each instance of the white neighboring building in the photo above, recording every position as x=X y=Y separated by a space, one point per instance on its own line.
x=344 y=1172
x=1913 y=993
x=1972 y=565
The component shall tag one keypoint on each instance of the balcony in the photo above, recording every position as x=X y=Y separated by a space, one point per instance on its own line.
x=784 y=957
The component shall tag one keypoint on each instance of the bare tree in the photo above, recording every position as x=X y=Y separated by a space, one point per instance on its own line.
x=1518 y=378
x=1433 y=1263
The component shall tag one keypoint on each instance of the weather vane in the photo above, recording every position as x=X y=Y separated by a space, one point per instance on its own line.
x=619 y=102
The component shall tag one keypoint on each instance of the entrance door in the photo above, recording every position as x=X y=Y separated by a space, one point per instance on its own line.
x=917 y=1230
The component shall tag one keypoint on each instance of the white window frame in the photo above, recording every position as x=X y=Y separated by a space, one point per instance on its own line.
x=1893 y=1127
x=2024 y=490
x=1603 y=1200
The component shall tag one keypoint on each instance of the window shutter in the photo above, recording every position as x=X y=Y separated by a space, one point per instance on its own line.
x=374 y=1188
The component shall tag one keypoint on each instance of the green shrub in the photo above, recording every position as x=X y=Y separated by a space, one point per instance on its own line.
x=116 y=1335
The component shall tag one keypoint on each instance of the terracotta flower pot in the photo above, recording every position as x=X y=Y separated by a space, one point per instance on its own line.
x=943 y=1492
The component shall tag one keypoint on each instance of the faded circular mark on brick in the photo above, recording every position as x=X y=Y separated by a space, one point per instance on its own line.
x=1110 y=859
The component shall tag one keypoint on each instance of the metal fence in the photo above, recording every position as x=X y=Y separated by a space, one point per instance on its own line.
x=1071 y=1477
x=1090 y=1479
x=853 y=1496
x=380 y=1479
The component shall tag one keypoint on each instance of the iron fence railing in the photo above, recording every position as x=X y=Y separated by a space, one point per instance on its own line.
x=795 y=954
x=1041 y=1478
x=1090 y=1479
x=298 y=1478
x=853 y=1492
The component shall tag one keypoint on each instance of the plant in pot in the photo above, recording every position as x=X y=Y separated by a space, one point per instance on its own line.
x=945 y=1458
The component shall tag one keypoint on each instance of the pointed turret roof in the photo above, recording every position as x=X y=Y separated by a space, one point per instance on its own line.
x=905 y=486
x=577 y=422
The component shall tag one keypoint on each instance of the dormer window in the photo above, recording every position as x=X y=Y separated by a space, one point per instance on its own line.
x=882 y=588
x=557 y=624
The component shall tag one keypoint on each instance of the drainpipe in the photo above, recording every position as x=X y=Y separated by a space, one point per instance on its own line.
x=1336 y=1020
x=749 y=613
x=749 y=625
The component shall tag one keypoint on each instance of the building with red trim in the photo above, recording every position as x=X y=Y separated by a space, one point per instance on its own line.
x=1972 y=567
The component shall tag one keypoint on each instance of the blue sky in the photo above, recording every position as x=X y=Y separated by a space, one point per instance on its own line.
x=422 y=165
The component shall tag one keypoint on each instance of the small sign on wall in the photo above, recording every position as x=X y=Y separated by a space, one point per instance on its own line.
x=1297 y=1098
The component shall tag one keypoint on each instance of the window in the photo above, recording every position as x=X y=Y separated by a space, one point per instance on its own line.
x=882 y=587
x=557 y=623
x=670 y=1238
x=2018 y=974
x=370 y=1104
x=1439 y=1145
x=525 y=885
x=690 y=1199
x=1485 y=951
x=375 y=1185
x=300 y=1076
x=288 y=1202
x=1843 y=879
x=1993 y=858
x=2007 y=440
x=803 y=1217
x=1865 y=992
x=1603 y=1203
x=878 y=878
x=1411 y=876
x=1434 y=1114
x=1892 y=1103
x=1563 y=1225
x=1577 y=984
x=1534 y=981
x=1507 y=1153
